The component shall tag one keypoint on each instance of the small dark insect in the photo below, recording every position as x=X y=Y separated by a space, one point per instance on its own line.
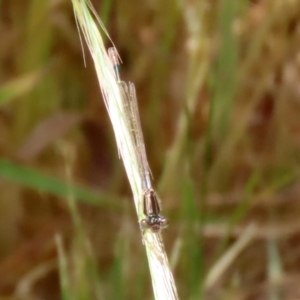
x=151 y=208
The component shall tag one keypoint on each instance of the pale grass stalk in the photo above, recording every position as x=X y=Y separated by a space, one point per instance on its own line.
x=63 y=268
x=220 y=267
x=88 y=21
x=26 y=283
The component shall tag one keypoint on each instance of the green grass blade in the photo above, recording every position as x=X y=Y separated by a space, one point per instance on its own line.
x=36 y=180
x=225 y=78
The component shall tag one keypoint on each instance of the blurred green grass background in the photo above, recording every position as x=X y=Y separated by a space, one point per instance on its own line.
x=218 y=90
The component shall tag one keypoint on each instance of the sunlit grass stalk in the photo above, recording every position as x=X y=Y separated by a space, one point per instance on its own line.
x=87 y=19
x=78 y=274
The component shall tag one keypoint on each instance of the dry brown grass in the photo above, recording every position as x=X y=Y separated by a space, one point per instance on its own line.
x=219 y=94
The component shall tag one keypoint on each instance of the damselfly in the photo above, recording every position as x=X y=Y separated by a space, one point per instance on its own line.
x=151 y=203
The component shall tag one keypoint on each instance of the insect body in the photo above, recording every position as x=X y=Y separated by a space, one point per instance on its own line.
x=151 y=203
x=151 y=208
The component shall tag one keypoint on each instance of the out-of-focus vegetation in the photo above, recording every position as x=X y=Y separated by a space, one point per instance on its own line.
x=218 y=88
